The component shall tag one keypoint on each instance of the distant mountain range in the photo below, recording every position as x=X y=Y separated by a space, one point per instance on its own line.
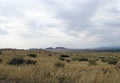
x=63 y=49
x=111 y=47
x=100 y=49
x=51 y=48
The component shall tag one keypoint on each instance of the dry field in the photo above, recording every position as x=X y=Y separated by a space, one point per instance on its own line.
x=22 y=66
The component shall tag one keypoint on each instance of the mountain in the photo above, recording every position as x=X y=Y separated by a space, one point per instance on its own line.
x=100 y=49
x=60 y=48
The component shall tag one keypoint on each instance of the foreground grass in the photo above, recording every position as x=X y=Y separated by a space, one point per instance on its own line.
x=44 y=71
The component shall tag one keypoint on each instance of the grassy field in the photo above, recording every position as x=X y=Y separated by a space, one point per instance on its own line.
x=19 y=66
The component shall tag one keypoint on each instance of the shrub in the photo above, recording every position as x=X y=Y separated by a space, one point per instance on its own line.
x=64 y=56
x=59 y=64
x=102 y=57
x=92 y=62
x=30 y=62
x=112 y=61
x=16 y=61
x=82 y=59
x=20 y=61
x=61 y=58
x=32 y=55
x=68 y=60
x=0 y=60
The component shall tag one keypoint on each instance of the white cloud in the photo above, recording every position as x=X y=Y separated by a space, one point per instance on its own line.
x=73 y=23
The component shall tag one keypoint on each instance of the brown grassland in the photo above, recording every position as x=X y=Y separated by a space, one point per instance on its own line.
x=59 y=67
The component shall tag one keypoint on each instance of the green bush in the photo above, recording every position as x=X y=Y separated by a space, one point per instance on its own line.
x=32 y=55
x=30 y=62
x=59 y=64
x=112 y=61
x=64 y=56
x=92 y=62
x=82 y=59
x=16 y=61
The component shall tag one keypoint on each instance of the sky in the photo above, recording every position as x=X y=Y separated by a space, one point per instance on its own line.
x=66 y=23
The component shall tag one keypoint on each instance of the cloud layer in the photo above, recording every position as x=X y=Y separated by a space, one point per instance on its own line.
x=73 y=23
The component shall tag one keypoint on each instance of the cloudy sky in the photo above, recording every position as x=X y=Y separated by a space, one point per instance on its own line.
x=68 y=23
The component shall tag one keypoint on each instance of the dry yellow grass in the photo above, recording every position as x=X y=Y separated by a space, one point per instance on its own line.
x=45 y=71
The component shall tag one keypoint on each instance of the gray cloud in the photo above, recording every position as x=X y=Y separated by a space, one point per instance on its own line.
x=79 y=19
x=73 y=23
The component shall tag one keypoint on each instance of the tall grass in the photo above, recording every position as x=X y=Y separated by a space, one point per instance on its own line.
x=45 y=70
